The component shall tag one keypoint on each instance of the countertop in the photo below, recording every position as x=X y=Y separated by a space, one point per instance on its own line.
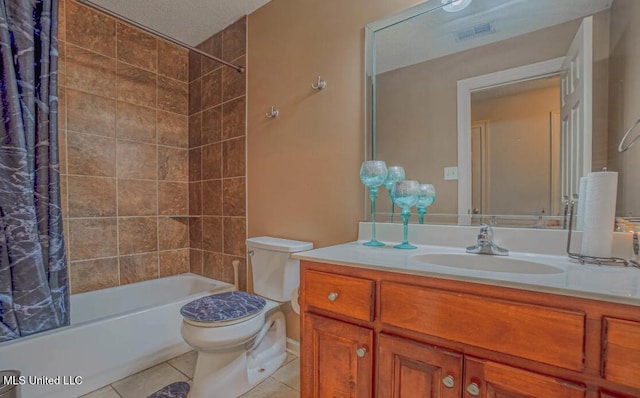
x=607 y=283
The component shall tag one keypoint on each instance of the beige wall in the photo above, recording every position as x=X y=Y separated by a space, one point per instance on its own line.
x=417 y=125
x=624 y=105
x=519 y=149
x=303 y=167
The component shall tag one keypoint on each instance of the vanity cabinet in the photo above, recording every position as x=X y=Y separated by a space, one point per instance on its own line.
x=410 y=369
x=621 y=346
x=534 y=332
x=374 y=333
x=607 y=394
x=489 y=379
x=341 y=363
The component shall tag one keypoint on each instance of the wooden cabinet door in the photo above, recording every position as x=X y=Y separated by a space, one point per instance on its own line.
x=488 y=379
x=621 y=352
x=336 y=359
x=609 y=394
x=408 y=369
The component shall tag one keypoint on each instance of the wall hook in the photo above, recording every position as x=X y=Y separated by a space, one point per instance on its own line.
x=273 y=113
x=320 y=84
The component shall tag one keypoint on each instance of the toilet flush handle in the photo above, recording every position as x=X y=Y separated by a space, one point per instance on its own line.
x=250 y=252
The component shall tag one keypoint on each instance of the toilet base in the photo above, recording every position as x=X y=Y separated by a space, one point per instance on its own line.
x=231 y=374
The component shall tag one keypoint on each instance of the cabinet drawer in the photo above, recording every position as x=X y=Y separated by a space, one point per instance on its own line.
x=497 y=380
x=621 y=357
x=344 y=295
x=542 y=334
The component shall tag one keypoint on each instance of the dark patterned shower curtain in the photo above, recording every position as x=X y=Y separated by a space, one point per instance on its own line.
x=34 y=289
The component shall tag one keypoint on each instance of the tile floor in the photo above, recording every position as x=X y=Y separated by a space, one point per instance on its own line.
x=284 y=383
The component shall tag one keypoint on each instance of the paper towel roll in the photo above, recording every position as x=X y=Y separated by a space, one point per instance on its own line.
x=294 y=301
x=582 y=198
x=599 y=213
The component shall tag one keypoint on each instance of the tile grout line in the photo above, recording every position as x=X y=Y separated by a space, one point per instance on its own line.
x=116 y=391
x=201 y=219
x=176 y=368
x=115 y=133
x=133 y=179
x=128 y=102
x=222 y=158
x=117 y=59
x=158 y=166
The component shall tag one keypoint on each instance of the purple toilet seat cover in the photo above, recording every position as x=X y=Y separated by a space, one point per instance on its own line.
x=223 y=307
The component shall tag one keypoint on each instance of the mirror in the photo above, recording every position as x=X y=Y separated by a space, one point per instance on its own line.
x=503 y=105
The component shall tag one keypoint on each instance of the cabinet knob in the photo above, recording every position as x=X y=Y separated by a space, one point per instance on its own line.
x=473 y=389
x=333 y=296
x=361 y=352
x=448 y=381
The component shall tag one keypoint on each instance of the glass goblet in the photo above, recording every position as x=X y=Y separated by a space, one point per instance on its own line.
x=426 y=197
x=405 y=194
x=396 y=173
x=373 y=174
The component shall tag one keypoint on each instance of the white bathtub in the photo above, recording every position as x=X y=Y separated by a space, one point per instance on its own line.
x=113 y=333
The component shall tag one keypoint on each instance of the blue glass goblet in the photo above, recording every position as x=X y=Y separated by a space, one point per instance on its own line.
x=405 y=194
x=396 y=173
x=426 y=197
x=373 y=174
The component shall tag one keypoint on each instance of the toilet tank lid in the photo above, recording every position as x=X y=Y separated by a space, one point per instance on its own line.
x=278 y=244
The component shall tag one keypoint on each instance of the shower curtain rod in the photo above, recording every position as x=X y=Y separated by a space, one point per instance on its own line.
x=103 y=10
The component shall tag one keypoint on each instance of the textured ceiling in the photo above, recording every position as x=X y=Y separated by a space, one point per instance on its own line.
x=189 y=21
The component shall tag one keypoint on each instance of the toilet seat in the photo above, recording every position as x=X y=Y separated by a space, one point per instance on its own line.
x=222 y=309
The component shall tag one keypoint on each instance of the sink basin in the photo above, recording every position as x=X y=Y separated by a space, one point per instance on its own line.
x=481 y=262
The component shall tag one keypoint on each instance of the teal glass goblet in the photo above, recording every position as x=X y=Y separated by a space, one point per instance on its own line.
x=426 y=197
x=396 y=173
x=405 y=194
x=373 y=174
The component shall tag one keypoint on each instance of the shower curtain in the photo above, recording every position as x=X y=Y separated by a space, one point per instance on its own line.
x=34 y=289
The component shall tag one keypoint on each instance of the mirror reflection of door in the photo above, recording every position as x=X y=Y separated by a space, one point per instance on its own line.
x=534 y=140
x=576 y=100
x=479 y=183
x=513 y=148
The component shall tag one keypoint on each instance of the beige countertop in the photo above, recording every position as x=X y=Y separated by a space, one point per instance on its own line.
x=607 y=283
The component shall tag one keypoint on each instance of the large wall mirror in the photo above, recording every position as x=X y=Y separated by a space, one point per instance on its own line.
x=503 y=105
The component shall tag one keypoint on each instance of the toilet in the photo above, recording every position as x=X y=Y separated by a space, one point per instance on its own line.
x=240 y=337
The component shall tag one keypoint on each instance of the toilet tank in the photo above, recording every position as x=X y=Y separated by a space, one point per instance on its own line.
x=275 y=273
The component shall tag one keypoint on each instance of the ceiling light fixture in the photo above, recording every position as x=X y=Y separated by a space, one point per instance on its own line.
x=455 y=5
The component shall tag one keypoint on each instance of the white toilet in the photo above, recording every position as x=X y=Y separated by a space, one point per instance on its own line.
x=240 y=337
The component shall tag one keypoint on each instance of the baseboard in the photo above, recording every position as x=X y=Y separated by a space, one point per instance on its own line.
x=293 y=347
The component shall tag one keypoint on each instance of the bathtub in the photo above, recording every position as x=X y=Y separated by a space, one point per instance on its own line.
x=114 y=332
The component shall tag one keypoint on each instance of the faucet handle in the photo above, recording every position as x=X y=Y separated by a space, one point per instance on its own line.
x=486 y=233
x=485 y=244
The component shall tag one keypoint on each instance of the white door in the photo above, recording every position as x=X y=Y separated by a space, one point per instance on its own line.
x=479 y=169
x=555 y=197
x=575 y=110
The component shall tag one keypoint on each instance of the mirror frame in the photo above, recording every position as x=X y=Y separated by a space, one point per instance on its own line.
x=370 y=73
x=541 y=69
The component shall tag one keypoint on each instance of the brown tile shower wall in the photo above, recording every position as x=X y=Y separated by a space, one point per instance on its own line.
x=124 y=133
x=217 y=142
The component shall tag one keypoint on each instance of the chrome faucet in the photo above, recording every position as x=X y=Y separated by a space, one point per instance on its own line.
x=485 y=243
